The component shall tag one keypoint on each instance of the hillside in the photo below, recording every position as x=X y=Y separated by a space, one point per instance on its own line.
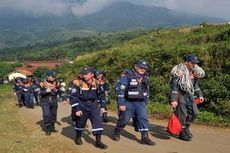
x=18 y=29
x=68 y=49
x=165 y=49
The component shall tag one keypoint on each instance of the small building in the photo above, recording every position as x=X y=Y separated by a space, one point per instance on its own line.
x=11 y=76
x=23 y=73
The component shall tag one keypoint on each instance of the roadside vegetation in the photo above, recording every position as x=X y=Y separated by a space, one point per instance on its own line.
x=163 y=49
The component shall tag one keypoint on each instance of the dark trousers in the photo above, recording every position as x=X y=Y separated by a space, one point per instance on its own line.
x=29 y=99
x=19 y=97
x=138 y=110
x=95 y=118
x=49 y=111
x=36 y=96
x=186 y=110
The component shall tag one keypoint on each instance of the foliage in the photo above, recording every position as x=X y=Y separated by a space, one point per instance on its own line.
x=70 y=48
x=5 y=68
x=5 y=88
x=14 y=137
x=163 y=51
x=40 y=72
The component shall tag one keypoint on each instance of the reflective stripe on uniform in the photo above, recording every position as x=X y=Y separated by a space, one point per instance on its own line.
x=74 y=105
x=120 y=96
x=143 y=129
x=174 y=92
x=88 y=88
x=133 y=93
x=80 y=129
x=98 y=129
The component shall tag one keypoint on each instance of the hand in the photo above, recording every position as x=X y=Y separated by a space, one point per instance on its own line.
x=103 y=110
x=15 y=93
x=201 y=99
x=78 y=113
x=65 y=102
x=122 y=108
x=174 y=104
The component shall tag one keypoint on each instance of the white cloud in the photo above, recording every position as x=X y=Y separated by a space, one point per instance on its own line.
x=219 y=8
x=89 y=7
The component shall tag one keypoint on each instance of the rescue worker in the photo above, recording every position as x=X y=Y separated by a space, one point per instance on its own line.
x=49 y=101
x=36 y=90
x=100 y=76
x=70 y=100
x=132 y=90
x=184 y=86
x=17 y=89
x=85 y=97
x=62 y=91
x=28 y=93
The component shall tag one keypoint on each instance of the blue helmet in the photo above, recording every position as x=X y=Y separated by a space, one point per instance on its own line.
x=50 y=73
x=141 y=63
x=191 y=58
x=87 y=70
x=99 y=72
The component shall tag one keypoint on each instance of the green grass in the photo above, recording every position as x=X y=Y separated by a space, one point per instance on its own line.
x=162 y=52
x=14 y=136
x=163 y=111
x=5 y=88
x=209 y=118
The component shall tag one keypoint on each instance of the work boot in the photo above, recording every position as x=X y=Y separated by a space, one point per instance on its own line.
x=188 y=131
x=145 y=139
x=48 y=130
x=77 y=139
x=116 y=136
x=53 y=128
x=99 y=144
x=183 y=135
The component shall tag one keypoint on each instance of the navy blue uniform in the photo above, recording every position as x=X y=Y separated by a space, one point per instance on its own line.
x=49 y=99
x=133 y=92
x=85 y=97
x=36 y=91
x=28 y=94
x=105 y=96
x=17 y=88
x=70 y=100
x=184 y=87
x=187 y=109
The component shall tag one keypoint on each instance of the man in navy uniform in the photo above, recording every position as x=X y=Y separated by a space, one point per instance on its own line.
x=132 y=90
x=28 y=93
x=85 y=98
x=100 y=76
x=49 y=99
x=184 y=87
x=36 y=90
x=17 y=89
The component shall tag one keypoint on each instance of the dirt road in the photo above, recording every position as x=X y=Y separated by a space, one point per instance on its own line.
x=206 y=139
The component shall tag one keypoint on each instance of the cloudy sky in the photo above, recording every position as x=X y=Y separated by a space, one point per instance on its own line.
x=217 y=8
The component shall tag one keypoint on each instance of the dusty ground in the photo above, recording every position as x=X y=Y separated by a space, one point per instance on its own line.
x=206 y=139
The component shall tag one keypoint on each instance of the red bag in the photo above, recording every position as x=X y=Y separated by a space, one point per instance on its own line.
x=174 y=125
x=197 y=101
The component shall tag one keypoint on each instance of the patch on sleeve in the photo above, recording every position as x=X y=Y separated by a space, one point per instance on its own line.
x=74 y=90
x=122 y=87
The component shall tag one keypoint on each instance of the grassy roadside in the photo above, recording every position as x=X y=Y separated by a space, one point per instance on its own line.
x=18 y=135
x=14 y=136
x=163 y=111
